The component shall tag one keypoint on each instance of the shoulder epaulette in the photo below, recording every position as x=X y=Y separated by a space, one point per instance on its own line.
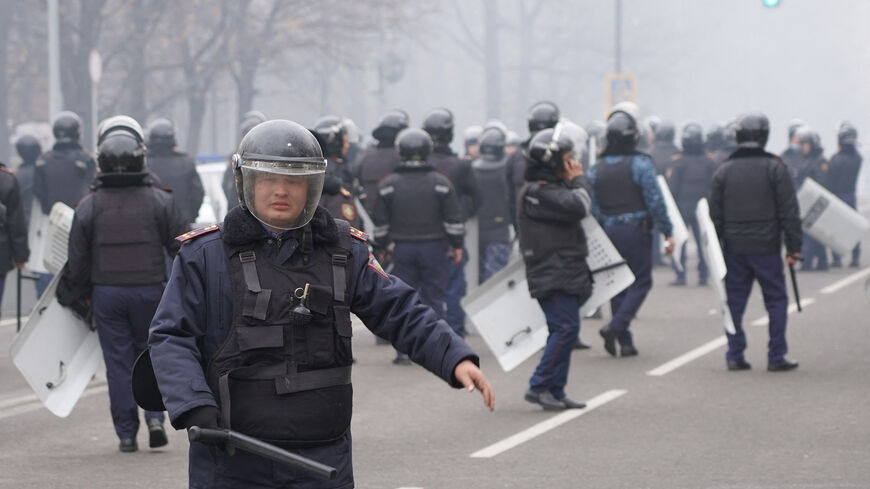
x=197 y=232
x=345 y=192
x=356 y=233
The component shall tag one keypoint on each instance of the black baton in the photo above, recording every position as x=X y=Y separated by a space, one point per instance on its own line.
x=18 y=301
x=261 y=448
x=797 y=295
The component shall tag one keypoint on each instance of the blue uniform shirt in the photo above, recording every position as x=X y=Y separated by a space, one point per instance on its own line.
x=643 y=173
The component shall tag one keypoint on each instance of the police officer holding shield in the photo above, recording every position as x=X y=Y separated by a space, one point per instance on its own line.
x=254 y=333
x=754 y=208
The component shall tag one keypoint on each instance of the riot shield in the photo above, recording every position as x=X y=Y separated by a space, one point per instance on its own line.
x=715 y=260
x=36 y=233
x=828 y=219
x=680 y=233
x=57 y=237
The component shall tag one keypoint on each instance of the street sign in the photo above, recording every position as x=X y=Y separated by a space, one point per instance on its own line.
x=621 y=87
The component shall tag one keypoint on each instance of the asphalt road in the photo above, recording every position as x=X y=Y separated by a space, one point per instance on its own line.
x=695 y=426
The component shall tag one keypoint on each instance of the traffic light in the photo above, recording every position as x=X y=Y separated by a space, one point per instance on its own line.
x=771 y=3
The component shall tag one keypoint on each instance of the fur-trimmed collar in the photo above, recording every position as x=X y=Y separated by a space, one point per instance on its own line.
x=241 y=228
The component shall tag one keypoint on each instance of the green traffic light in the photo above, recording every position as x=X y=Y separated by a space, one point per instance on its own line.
x=771 y=3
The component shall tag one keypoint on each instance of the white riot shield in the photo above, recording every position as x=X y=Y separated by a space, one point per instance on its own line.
x=828 y=219
x=368 y=224
x=715 y=260
x=512 y=323
x=472 y=241
x=680 y=233
x=56 y=243
x=36 y=234
x=57 y=353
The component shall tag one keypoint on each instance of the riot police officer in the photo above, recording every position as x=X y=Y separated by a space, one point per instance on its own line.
x=691 y=175
x=494 y=218
x=116 y=261
x=174 y=169
x=627 y=201
x=378 y=161
x=792 y=153
x=553 y=245
x=337 y=197
x=13 y=227
x=843 y=178
x=439 y=124
x=753 y=206
x=419 y=211
x=228 y=183
x=471 y=141
x=663 y=148
x=29 y=150
x=542 y=115
x=256 y=315
x=811 y=163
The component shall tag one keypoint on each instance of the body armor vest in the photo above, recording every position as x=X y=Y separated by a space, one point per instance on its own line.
x=283 y=374
x=615 y=189
x=493 y=213
x=128 y=248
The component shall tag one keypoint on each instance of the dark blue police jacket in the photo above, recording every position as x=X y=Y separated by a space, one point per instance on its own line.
x=194 y=317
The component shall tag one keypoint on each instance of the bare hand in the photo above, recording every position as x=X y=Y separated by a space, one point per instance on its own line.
x=457 y=256
x=793 y=258
x=669 y=245
x=20 y=265
x=471 y=377
x=573 y=169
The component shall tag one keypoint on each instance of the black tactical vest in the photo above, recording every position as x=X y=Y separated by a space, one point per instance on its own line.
x=127 y=237
x=493 y=214
x=282 y=377
x=615 y=189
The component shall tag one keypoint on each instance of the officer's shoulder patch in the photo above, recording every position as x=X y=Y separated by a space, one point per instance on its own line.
x=197 y=232
x=356 y=233
x=348 y=211
x=374 y=265
x=345 y=192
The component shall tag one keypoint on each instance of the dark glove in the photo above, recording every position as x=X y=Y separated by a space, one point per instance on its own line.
x=202 y=416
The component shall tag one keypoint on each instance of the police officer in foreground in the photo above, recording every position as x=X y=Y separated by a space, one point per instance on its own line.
x=553 y=245
x=494 y=219
x=13 y=227
x=254 y=333
x=418 y=211
x=174 y=169
x=378 y=161
x=627 y=201
x=116 y=263
x=753 y=206
x=690 y=179
x=843 y=178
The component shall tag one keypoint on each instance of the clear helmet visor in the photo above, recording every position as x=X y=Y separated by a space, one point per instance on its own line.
x=284 y=194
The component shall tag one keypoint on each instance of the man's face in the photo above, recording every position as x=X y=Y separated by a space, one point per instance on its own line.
x=279 y=199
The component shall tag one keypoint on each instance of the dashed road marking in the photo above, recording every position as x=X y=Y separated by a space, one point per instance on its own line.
x=547 y=425
x=685 y=358
x=30 y=406
x=840 y=284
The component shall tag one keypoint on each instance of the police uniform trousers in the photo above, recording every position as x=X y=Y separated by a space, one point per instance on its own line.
x=212 y=467
x=692 y=223
x=768 y=270
x=814 y=253
x=457 y=287
x=635 y=245
x=494 y=256
x=123 y=315
x=423 y=266
x=856 y=251
x=563 y=323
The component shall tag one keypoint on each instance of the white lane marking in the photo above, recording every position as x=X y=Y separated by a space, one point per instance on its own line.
x=713 y=312
x=8 y=321
x=547 y=425
x=410 y=488
x=685 y=358
x=35 y=406
x=840 y=284
x=792 y=308
x=12 y=401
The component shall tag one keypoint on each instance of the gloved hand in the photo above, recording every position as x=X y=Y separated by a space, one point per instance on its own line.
x=202 y=416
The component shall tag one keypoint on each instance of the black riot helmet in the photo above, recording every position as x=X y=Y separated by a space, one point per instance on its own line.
x=543 y=115
x=665 y=131
x=390 y=125
x=249 y=120
x=283 y=154
x=847 y=134
x=67 y=127
x=793 y=126
x=439 y=124
x=331 y=134
x=715 y=137
x=492 y=143
x=752 y=130
x=414 y=146
x=120 y=145
x=622 y=133
x=692 y=138
x=548 y=147
x=28 y=148
x=161 y=132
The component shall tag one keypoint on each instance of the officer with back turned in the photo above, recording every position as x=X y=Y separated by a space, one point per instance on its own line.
x=843 y=178
x=13 y=227
x=753 y=206
x=254 y=330
x=174 y=169
x=627 y=201
x=494 y=219
x=419 y=211
x=116 y=263
x=378 y=161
